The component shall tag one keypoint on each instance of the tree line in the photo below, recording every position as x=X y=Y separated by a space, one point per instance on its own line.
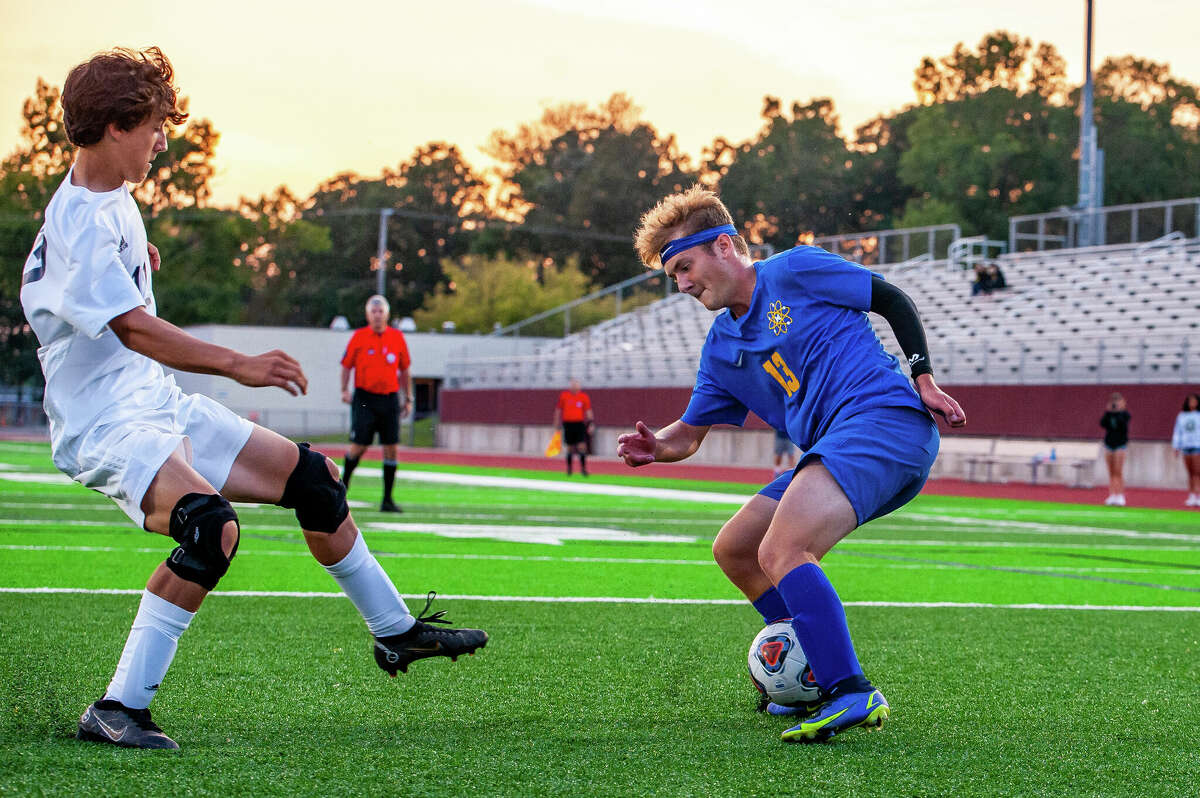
x=992 y=133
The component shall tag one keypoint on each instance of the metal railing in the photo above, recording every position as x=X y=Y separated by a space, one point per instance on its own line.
x=967 y=252
x=1113 y=224
x=885 y=247
x=617 y=291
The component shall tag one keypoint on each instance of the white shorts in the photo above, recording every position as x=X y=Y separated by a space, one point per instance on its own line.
x=121 y=459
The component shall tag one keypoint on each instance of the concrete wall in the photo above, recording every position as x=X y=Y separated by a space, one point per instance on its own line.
x=515 y=420
x=320 y=351
x=1023 y=411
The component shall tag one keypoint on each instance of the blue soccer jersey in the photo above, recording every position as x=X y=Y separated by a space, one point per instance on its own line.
x=803 y=354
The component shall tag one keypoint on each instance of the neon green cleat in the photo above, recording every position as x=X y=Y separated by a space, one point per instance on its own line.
x=868 y=709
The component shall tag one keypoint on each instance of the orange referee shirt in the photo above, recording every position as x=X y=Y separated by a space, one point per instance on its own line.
x=376 y=359
x=574 y=406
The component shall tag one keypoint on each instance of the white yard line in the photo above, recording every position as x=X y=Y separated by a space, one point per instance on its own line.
x=590 y=489
x=1050 y=529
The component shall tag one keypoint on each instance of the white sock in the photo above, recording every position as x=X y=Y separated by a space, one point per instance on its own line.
x=364 y=581
x=148 y=651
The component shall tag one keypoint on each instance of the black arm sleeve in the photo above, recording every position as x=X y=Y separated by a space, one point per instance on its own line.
x=894 y=305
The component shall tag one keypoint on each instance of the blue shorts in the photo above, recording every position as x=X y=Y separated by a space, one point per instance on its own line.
x=880 y=459
x=1120 y=448
x=1191 y=450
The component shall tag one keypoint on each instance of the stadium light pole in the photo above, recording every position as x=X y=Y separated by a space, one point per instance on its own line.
x=381 y=253
x=1090 y=179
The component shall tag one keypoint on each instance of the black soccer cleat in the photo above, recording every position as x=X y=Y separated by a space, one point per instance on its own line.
x=397 y=652
x=389 y=506
x=108 y=721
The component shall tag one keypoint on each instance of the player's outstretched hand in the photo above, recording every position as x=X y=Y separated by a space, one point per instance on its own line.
x=155 y=258
x=276 y=368
x=637 y=448
x=940 y=402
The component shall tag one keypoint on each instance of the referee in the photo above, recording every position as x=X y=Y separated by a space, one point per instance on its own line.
x=378 y=356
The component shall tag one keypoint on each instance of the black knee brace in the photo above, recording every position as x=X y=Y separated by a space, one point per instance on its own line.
x=318 y=499
x=197 y=523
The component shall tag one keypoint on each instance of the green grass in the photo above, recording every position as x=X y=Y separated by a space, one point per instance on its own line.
x=279 y=695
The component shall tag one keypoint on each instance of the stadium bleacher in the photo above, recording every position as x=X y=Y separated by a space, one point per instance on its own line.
x=1116 y=314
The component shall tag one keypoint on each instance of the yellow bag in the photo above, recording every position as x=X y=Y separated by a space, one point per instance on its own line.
x=554 y=448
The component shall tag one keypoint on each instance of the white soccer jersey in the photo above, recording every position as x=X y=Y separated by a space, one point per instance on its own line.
x=115 y=416
x=89 y=264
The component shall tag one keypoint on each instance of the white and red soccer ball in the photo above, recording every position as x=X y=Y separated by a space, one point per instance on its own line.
x=779 y=667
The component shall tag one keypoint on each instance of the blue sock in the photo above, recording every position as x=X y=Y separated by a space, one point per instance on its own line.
x=820 y=624
x=770 y=606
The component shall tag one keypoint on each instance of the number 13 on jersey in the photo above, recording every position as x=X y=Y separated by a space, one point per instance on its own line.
x=777 y=367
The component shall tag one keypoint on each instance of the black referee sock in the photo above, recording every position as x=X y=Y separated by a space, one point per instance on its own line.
x=583 y=464
x=350 y=464
x=389 y=477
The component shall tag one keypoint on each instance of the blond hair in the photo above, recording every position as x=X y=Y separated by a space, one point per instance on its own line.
x=681 y=215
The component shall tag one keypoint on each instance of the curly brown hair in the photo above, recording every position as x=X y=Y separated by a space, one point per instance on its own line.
x=122 y=87
x=681 y=215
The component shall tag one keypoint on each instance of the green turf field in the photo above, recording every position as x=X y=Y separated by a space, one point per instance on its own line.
x=1027 y=649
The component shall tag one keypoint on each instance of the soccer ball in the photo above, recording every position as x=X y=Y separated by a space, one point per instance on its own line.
x=779 y=668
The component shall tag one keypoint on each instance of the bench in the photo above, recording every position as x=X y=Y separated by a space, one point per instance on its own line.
x=959 y=450
x=1041 y=457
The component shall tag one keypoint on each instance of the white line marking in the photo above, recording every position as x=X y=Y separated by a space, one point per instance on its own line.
x=512 y=533
x=573 y=487
x=45 y=479
x=950 y=543
x=252 y=552
x=615 y=600
x=519 y=533
x=1052 y=529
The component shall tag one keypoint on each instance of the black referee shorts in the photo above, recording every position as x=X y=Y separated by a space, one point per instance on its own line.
x=574 y=432
x=374 y=412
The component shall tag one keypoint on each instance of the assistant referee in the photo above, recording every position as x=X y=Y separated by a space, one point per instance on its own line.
x=378 y=356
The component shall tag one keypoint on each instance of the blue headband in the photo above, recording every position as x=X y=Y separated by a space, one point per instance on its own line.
x=673 y=248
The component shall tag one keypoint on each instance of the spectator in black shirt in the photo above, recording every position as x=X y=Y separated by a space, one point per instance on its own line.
x=980 y=284
x=995 y=278
x=1115 y=422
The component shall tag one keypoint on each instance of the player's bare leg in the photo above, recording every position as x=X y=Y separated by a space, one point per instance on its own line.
x=1116 y=476
x=813 y=515
x=737 y=544
x=1192 y=463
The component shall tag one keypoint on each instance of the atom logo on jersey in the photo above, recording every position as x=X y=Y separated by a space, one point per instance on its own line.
x=779 y=317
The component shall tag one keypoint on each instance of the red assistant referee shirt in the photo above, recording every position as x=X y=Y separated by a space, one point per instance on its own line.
x=574 y=406
x=376 y=358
